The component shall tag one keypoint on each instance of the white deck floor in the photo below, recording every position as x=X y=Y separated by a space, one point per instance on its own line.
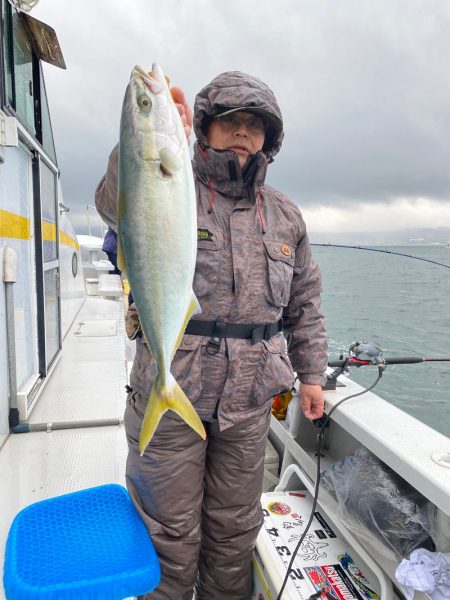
x=39 y=465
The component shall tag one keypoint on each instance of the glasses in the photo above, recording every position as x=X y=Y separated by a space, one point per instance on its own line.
x=233 y=122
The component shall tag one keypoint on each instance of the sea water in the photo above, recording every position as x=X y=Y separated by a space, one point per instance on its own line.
x=403 y=306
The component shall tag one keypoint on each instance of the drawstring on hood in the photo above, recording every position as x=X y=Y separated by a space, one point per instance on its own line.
x=213 y=191
x=213 y=195
x=261 y=220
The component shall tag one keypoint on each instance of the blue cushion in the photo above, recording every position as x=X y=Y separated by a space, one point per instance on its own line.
x=87 y=544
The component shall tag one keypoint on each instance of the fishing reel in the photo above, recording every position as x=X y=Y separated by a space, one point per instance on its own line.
x=360 y=354
x=366 y=351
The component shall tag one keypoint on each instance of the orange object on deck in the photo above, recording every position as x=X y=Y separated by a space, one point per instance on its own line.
x=280 y=404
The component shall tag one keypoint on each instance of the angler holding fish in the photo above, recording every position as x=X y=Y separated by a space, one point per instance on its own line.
x=254 y=278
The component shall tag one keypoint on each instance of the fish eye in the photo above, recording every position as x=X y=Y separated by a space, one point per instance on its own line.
x=144 y=102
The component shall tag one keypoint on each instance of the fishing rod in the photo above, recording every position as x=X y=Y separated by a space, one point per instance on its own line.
x=434 y=262
x=365 y=353
x=400 y=360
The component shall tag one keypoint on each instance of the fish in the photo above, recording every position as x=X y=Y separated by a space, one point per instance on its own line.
x=157 y=234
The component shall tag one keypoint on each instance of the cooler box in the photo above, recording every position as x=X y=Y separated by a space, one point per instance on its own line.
x=324 y=559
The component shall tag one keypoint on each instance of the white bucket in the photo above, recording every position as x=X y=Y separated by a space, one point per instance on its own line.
x=91 y=286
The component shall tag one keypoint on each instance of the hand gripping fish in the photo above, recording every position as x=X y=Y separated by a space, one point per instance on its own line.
x=157 y=241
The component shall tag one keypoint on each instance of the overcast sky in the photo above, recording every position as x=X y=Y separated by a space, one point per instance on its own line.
x=363 y=85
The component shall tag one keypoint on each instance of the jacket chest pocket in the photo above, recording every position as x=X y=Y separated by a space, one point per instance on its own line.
x=280 y=263
x=208 y=262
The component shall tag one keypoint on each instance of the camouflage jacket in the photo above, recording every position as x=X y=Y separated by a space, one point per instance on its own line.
x=254 y=266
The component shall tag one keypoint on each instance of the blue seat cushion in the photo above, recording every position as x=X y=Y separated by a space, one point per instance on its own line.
x=87 y=544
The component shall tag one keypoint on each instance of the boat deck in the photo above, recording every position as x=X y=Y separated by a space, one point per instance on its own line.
x=86 y=385
x=86 y=393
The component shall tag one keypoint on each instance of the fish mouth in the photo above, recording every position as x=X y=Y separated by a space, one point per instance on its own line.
x=148 y=79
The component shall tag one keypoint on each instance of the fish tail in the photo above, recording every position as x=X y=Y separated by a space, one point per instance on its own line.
x=156 y=407
x=180 y=403
x=163 y=398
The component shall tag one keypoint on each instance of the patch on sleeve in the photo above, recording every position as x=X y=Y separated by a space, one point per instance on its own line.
x=204 y=234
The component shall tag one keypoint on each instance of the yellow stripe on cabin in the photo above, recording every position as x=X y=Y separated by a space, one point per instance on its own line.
x=48 y=231
x=64 y=238
x=49 y=235
x=14 y=226
x=18 y=227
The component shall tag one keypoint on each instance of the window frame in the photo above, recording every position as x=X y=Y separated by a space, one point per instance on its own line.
x=38 y=82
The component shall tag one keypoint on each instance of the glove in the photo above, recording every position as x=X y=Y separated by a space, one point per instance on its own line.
x=132 y=323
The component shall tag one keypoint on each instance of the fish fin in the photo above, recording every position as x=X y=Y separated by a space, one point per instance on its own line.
x=170 y=162
x=120 y=254
x=157 y=405
x=162 y=399
x=193 y=309
x=196 y=308
x=180 y=403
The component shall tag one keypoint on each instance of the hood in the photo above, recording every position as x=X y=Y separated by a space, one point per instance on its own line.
x=234 y=89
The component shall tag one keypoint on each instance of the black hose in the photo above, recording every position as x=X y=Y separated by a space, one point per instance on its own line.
x=53 y=426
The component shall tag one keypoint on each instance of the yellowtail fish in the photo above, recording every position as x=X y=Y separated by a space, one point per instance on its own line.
x=157 y=241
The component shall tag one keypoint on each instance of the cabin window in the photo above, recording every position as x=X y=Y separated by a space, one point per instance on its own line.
x=23 y=76
x=48 y=202
x=52 y=318
x=24 y=83
x=7 y=52
x=49 y=216
x=47 y=134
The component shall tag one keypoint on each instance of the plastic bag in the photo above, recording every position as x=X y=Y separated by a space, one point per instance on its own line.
x=439 y=528
x=377 y=505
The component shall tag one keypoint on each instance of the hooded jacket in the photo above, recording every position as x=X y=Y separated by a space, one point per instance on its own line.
x=254 y=266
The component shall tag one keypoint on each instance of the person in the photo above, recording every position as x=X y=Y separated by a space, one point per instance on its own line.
x=109 y=247
x=254 y=279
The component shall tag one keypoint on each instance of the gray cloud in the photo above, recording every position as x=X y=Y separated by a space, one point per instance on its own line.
x=363 y=86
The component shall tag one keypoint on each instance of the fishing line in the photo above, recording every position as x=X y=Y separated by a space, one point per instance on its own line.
x=434 y=262
x=320 y=435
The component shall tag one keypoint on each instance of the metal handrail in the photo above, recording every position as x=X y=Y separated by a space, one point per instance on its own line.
x=102 y=229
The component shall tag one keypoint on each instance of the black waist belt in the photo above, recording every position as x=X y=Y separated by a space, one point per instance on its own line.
x=220 y=329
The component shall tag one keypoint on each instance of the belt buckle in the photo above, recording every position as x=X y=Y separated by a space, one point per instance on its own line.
x=219 y=332
x=213 y=345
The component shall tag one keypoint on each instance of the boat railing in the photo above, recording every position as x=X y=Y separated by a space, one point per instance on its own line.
x=100 y=222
